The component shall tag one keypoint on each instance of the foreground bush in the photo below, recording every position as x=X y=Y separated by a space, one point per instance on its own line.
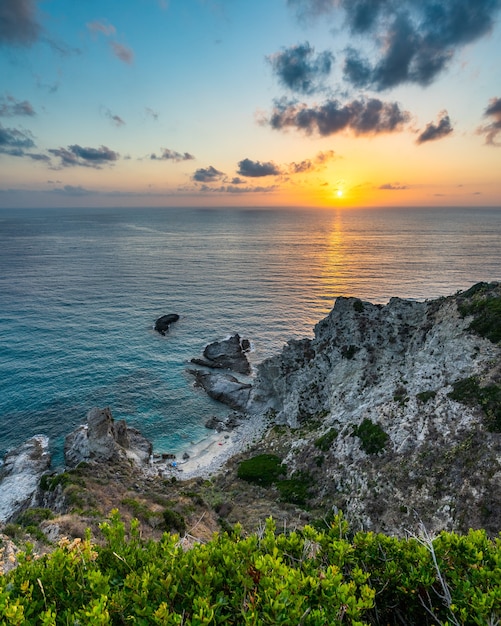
x=308 y=577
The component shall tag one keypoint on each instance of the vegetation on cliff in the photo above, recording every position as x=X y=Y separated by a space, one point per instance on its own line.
x=306 y=577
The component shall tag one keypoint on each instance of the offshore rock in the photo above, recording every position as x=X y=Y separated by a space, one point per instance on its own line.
x=162 y=324
x=223 y=388
x=376 y=420
x=227 y=354
x=20 y=476
x=104 y=439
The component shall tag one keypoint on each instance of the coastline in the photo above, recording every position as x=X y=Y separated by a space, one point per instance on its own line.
x=208 y=455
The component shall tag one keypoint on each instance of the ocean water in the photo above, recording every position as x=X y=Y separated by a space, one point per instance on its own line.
x=80 y=290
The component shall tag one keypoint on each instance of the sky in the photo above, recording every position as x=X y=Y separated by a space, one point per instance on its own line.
x=315 y=103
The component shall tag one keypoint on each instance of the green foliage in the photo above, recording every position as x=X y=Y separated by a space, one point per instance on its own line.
x=296 y=488
x=307 y=577
x=486 y=310
x=468 y=391
x=358 y=306
x=71 y=477
x=141 y=511
x=174 y=521
x=263 y=469
x=326 y=440
x=348 y=352
x=424 y=396
x=372 y=437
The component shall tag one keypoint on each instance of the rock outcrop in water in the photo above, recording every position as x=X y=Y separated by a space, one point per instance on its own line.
x=20 y=476
x=229 y=354
x=103 y=439
x=162 y=324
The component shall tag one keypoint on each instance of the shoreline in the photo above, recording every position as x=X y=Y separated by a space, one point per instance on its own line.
x=208 y=455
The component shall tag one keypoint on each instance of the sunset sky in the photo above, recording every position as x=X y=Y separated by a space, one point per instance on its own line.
x=250 y=103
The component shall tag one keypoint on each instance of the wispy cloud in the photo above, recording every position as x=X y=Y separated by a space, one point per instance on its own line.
x=98 y=26
x=433 y=131
x=76 y=155
x=362 y=117
x=298 y=69
x=122 y=52
x=151 y=113
x=492 y=130
x=15 y=142
x=393 y=187
x=10 y=107
x=115 y=119
x=312 y=165
x=171 y=155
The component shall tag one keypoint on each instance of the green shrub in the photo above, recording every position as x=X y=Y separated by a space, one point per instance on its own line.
x=326 y=440
x=424 y=396
x=486 y=310
x=348 y=352
x=174 y=521
x=358 y=306
x=372 y=437
x=468 y=391
x=295 y=489
x=264 y=469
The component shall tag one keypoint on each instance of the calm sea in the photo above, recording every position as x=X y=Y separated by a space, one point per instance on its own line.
x=80 y=291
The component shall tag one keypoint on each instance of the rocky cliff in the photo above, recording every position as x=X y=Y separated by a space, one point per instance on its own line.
x=395 y=411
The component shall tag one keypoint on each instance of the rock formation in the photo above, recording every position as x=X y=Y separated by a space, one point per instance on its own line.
x=104 y=439
x=229 y=354
x=162 y=324
x=396 y=410
x=224 y=388
x=20 y=476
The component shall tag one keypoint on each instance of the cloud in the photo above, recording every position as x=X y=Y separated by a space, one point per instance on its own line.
x=10 y=107
x=312 y=165
x=71 y=190
x=18 y=22
x=14 y=142
x=493 y=129
x=256 y=169
x=393 y=186
x=207 y=175
x=238 y=190
x=172 y=155
x=122 y=52
x=87 y=157
x=410 y=41
x=362 y=116
x=98 y=26
x=298 y=69
x=151 y=113
x=116 y=120
x=436 y=131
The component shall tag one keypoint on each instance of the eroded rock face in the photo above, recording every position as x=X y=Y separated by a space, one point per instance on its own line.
x=227 y=354
x=224 y=388
x=392 y=368
x=104 y=439
x=20 y=476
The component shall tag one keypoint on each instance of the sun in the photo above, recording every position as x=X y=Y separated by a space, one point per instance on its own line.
x=339 y=193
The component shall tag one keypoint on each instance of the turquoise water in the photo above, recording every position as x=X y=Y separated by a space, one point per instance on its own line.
x=80 y=291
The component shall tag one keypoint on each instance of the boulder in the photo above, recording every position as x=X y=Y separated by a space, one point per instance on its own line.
x=162 y=324
x=20 y=476
x=223 y=388
x=229 y=354
x=104 y=439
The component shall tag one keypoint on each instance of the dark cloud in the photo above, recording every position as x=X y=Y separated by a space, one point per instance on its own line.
x=72 y=190
x=492 y=129
x=172 y=155
x=87 y=157
x=436 y=131
x=19 y=22
x=122 y=52
x=298 y=69
x=14 y=142
x=38 y=157
x=207 y=175
x=237 y=190
x=362 y=116
x=256 y=169
x=10 y=107
x=411 y=41
x=393 y=186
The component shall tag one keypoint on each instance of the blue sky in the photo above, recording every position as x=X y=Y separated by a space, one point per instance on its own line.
x=255 y=103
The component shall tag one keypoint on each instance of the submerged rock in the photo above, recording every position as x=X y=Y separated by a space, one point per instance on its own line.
x=20 y=476
x=104 y=439
x=162 y=324
x=229 y=354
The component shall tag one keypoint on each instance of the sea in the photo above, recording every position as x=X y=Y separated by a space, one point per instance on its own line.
x=80 y=290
